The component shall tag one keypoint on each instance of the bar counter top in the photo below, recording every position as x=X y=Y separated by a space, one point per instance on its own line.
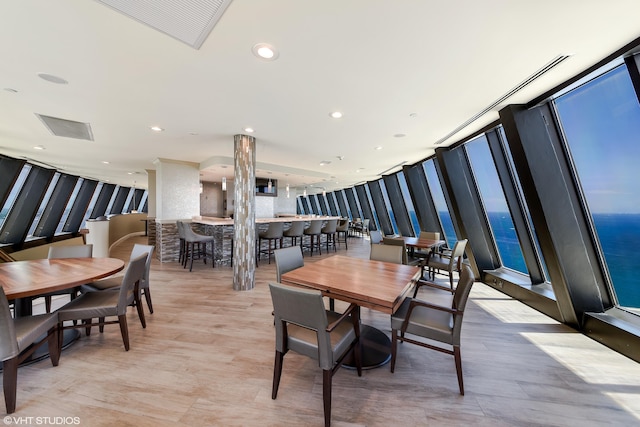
x=209 y=220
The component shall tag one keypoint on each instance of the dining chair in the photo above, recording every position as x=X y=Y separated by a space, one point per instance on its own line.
x=196 y=245
x=365 y=226
x=330 y=231
x=392 y=241
x=294 y=232
x=304 y=326
x=429 y=235
x=449 y=262
x=66 y=251
x=273 y=233
x=182 y=243
x=287 y=259
x=102 y=304
x=313 y=231
x=113 y=283
x=386 y=253
x=439 y=324
x=375 y=237
x=19 y=339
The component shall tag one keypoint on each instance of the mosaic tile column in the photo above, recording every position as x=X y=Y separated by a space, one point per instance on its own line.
x=244 y=213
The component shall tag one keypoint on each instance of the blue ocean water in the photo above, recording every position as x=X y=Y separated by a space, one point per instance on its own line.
x=619 y=236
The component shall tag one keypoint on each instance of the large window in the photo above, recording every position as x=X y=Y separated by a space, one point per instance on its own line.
x=440 y=203
x=601 y=124
x=495 y=204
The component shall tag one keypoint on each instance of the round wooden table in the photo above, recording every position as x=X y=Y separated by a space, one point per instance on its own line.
x=25 y=280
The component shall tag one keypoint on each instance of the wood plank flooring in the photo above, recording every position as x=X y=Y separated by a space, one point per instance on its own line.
x=206 y=359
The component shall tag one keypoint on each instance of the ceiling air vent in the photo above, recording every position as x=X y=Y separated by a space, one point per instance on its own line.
x=187 y=21
x=67 y=128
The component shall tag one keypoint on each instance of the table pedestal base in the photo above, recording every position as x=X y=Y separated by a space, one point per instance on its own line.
x=376 y=349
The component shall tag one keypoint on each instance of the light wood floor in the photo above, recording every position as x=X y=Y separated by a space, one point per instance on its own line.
x=206 y=359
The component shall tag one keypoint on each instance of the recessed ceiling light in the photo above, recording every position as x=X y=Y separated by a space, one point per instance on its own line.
x=250 y=130
x=324 y=162
x=378 y=148
x=156 y=128
x=335 y=115
x=104 y=162
x=38 y=147
x=265 y=51
x=53 y=79
x=413 y=115
x=399 y=135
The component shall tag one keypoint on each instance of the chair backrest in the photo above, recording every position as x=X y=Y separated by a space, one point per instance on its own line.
x=391 y=241
x=287 y=259
x=180 y=226
x=315 y=227
x=365 y=225
x=274 y=230
x=343 y=225
x=431 y=235
x=133 y=274
x=8 y=340
x=139 y=249
x=387 y=253
x=375 y=236
x=296 y=229
x=460 y=297
x=305 y=308
x=330 y=226
x=70 y=251
x=457 y=254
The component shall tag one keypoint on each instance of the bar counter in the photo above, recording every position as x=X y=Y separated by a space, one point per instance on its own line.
x=167 y=241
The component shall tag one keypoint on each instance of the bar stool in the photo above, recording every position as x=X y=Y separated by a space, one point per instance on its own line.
x=273 y=233
x=343 y=228
x=296 y=230
x=329 y=230
x=313 y=230
x=196 y=245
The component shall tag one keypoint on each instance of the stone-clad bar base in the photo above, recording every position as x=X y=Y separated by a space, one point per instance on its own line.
x=164 y=235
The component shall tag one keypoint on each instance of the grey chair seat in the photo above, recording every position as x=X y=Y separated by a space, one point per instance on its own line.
x=425 y=322
x=111 y=283
x=90 y=305
x=30 y=328
x=305 y=341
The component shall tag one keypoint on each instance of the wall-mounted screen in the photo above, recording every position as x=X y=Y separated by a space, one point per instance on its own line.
x=266 y=187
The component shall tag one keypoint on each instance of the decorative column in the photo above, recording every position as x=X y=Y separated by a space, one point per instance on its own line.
x=244 y=213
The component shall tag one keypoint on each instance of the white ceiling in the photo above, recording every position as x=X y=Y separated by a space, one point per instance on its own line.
x=419 y=68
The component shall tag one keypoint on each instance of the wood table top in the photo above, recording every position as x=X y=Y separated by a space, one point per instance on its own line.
x=419 y=243
x=377 y=285
x=21 y=279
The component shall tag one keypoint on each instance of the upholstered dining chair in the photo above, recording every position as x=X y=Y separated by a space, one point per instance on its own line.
x=66 y=251
x=441 y=325
x=430 y=235
x=387 y=253
x=102 y=304
x=448 y=262
x=273 y=233
x=19 y=339
x=287 y=259
x=330 y=231
x=294 y=232
x=304 y=326
x=113 y=283
x=391 y=241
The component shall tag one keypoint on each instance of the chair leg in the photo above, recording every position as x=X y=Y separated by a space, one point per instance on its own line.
x=394 y=349
x=52 y=343
x=327 y=376
x=122 y=319
x=147 y=296
x=10 y=383
x=47 y=303
x=458 y=358
x=277 y=373
x=101 y=326
x=87 y=328
x=140 y=309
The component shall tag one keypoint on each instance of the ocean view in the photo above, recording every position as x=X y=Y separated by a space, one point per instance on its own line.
x=619 y=234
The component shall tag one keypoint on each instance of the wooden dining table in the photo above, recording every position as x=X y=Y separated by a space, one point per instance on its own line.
x=31 y=278
x=377 y=285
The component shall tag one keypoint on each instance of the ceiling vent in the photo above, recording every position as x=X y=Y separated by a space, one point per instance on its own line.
x=189 y=21
x=67 y=128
